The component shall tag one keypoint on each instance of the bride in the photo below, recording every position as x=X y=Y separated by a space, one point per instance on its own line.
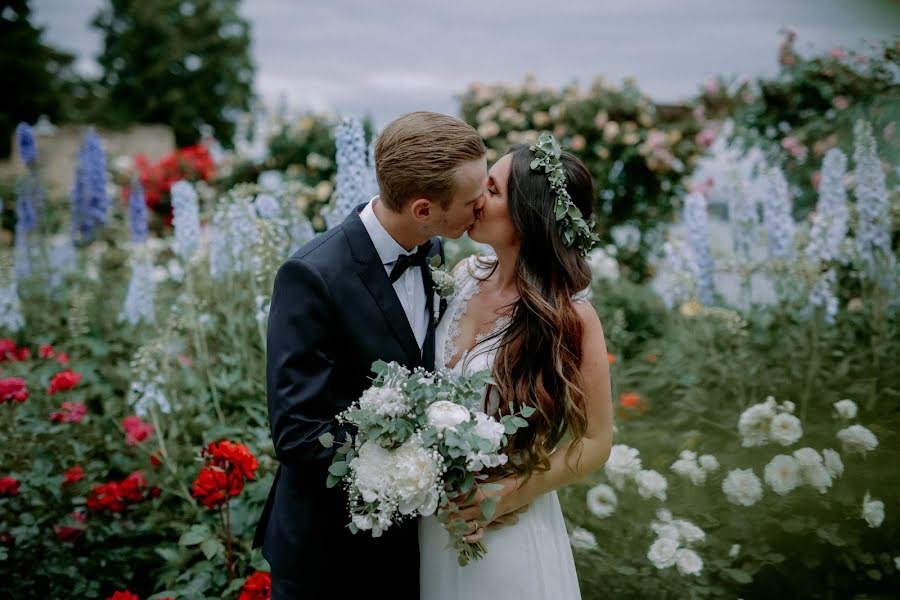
x=520 y=313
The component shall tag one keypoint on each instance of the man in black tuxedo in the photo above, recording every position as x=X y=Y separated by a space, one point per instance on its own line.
x=358 y=293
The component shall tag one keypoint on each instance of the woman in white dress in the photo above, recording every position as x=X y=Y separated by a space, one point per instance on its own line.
x=520 y=313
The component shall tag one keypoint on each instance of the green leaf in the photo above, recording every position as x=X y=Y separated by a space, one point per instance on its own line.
x=327 y=439
x=739 y=575
x=488 y=507
x=527 y=411
x=338 y=469
x=211 y=548
x=197 y=535
x=332 y=481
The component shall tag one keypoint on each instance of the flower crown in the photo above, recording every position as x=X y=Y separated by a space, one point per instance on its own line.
x=575 y=231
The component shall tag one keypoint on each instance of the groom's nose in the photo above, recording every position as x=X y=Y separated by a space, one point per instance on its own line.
x=479 y=204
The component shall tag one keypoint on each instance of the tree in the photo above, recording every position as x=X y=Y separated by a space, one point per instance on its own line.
x=185 y=63
x=36 y=75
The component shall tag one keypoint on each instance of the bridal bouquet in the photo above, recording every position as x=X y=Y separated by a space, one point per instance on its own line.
x=419 y=450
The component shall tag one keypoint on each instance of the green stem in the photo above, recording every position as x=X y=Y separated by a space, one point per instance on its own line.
x=200 y=343
x=813 y=366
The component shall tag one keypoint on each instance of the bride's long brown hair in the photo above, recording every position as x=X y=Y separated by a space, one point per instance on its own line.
x=539 y=358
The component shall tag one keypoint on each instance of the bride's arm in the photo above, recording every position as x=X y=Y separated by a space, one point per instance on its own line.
x=590 y=452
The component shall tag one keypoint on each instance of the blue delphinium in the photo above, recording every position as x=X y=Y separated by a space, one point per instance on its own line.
x=829 y=225
x=27 y=146
x=677 y=273
x=370 y=171
x=351 y=156
x=26 y=221
x=822 y=295
x=777 y=216
x=140 y=298
x=137 y=212
x=11 y=318
x=742 y=215
x=695 y=218
x=90 y=201
x=873 y=238
x=186 y=220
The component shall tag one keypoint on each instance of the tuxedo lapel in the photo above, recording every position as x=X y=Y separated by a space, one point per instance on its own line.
x=373 y=275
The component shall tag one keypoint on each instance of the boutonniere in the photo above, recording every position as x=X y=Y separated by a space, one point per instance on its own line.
x=442 y=279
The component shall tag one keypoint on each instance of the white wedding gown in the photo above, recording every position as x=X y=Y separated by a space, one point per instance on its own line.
x=531 y=560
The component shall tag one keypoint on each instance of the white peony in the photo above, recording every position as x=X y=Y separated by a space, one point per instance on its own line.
x=582 y=539
x=689 y=532
x=688 y=561
x=846 y=409
x=873 y=511
x=817 y=476
x=754 y=425
x=651 y=484
x=734 y=551
x=489 y=429
x=742 y=486
x=623 y=464
x=709 y=463
x=372 y=468
x=384 y=401
x=444 y=415
x=783 y=474
x=857 y=438
x=602 y=500
x=785 y=429
x=833 y=462
x=415 y=477
x=689 y=469
x=662 y=552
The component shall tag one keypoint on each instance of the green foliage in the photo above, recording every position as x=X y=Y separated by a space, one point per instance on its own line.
x=181 y=63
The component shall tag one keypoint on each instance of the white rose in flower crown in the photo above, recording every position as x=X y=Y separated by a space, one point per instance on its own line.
x=785 y=429
x=662 y=552
x=416 y=477
x=444 y=415
x=742 y=486
x=873 y=511
x=602 y=500
x=846 y=409
x=651 y=484
x=857 y=438
x=688 y=561
x=371 y=468
x=384 y=401
x=782 y=474
x=754 y=424
x=833 y=462
x=623 y=464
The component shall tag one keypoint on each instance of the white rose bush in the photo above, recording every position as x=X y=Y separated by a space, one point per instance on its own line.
x=420 y=450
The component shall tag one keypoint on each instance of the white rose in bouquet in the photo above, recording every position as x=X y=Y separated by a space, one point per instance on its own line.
x=444 y=415
x=416 y=477
x=372 y=468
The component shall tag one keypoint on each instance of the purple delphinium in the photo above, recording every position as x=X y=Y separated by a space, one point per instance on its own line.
x=137 y=212
x=26 y=144
x=90 y=201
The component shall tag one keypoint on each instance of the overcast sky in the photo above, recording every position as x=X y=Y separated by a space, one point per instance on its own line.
x=390 y=57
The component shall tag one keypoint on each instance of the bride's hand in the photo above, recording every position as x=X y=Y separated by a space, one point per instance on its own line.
x=505 y=513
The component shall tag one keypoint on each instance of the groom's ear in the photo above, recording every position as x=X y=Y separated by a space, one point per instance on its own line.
x=421 y=209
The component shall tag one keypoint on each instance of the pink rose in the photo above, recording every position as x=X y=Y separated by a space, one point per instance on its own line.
x=840 y=102
x=837 y=53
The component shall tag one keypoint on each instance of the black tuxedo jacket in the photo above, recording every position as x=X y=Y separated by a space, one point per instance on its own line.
x=333 y=313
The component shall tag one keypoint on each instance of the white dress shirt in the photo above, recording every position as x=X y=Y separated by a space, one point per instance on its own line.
x=409 y=287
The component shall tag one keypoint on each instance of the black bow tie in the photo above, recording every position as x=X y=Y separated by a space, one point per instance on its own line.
x=404 y=261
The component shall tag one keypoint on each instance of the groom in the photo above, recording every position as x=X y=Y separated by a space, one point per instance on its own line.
x=358 y=293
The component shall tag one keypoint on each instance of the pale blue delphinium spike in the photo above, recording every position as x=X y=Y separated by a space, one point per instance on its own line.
x=743 y=217
x=830 y=221
x=873 y=239
x=351 y=186
x=696 y=221
x=137 y=212
x=26 y=144
x=140 y=299
x=185 y=220
x=777 y=215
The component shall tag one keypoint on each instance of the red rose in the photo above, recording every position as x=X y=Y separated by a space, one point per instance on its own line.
x=72 y=475
x=132 y=487
x=69 y=534
x=63 y=380
x=62 y=358
x=154 y=460
x=106 y=496
x=46 y=351
x=212 y=486
x=72 y=412
x=136 y=431
x=13 y=389
x=126 y=595
x=22 y=354
x=7 y=348
x=226 y=453
x=9 y=486
x=257 y=587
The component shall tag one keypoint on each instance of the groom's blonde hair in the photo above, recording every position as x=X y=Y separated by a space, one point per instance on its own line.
x=417 y=156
